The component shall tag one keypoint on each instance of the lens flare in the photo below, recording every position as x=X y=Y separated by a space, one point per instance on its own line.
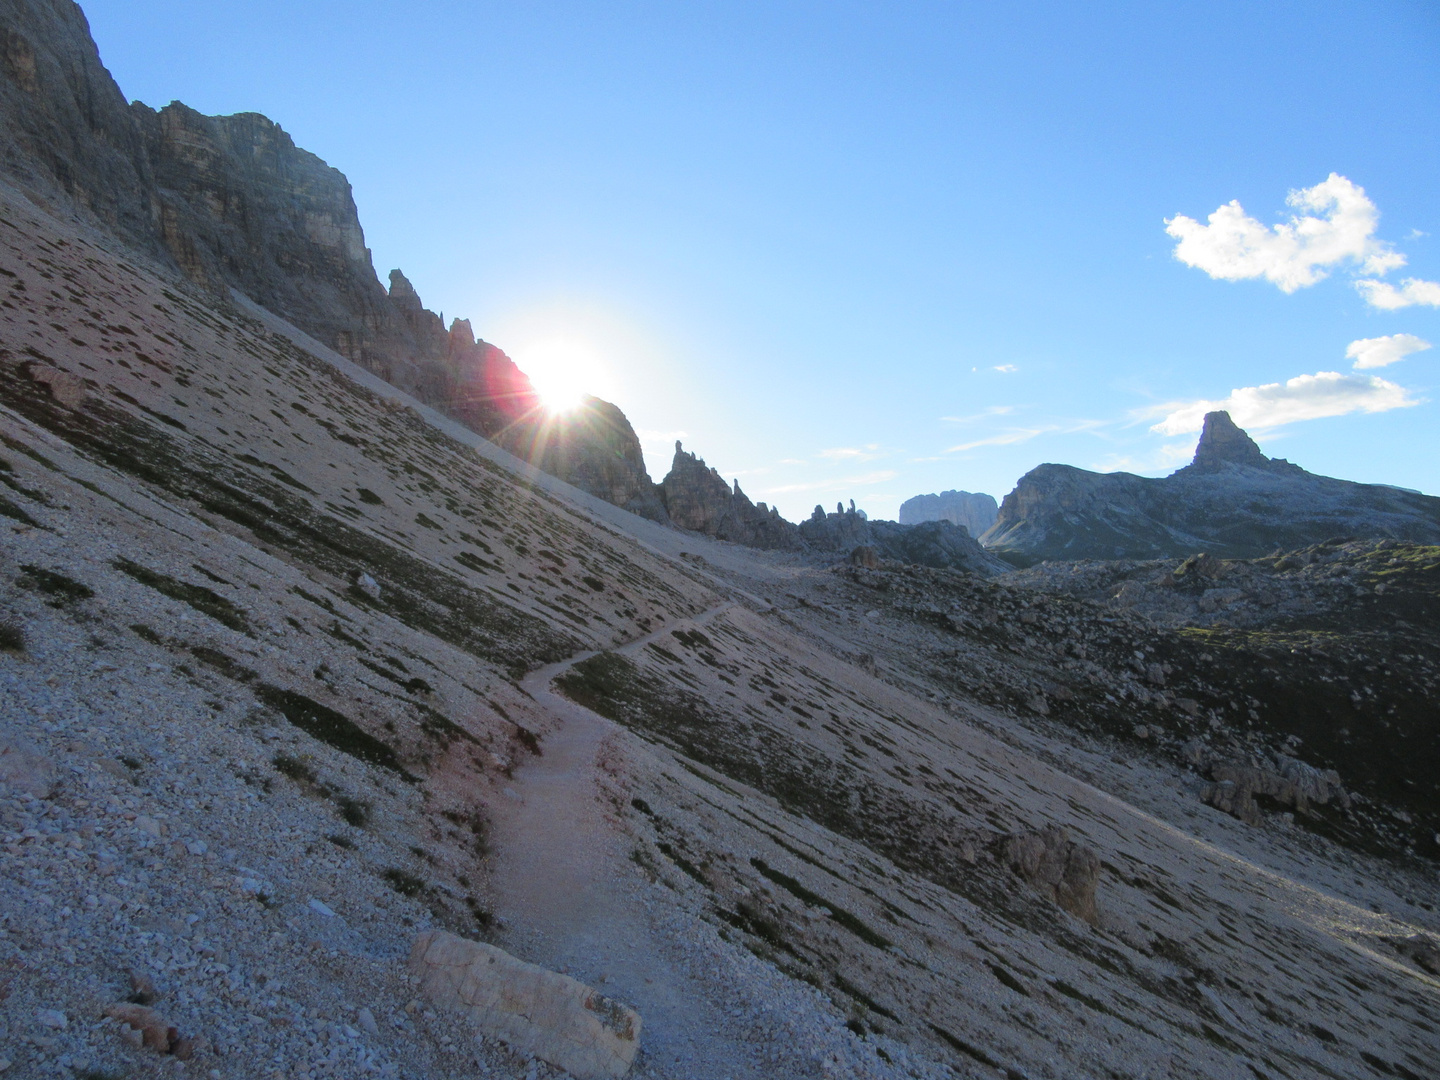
x=562 y=371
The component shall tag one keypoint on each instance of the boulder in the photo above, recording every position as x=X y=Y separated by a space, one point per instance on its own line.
x=1285 y=779
x=24 y=768
x=865 y=556
x=556 y=1018
x=1058 y=867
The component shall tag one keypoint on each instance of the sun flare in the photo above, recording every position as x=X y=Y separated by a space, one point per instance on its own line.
x=562 y=371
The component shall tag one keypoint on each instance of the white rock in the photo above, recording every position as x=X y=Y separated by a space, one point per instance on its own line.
x=540 y=1012
x=51 y=1018
x=321 y=908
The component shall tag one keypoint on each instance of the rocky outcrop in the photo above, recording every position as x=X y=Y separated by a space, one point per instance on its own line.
x=696 y=498
x=1231 y=501
x=1058 y=867
x=973 y=511
x=1235 y=784
x=938 y=544
x=556 y=1018
x=230 y=202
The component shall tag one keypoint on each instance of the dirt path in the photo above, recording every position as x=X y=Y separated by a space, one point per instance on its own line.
x=573 y=901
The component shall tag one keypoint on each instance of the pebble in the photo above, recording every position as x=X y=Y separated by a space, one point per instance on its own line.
x=52 y=1018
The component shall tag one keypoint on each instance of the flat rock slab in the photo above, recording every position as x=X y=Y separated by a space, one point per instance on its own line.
x=558 y=1019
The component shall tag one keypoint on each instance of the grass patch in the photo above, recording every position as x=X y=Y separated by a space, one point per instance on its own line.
x=11 y=510
x=403 y=882
x=839 y=914
x=353 y=811
x=61 y=589
x=294 y=768
x=331 y=727
x=206 y=601
x=12 y=638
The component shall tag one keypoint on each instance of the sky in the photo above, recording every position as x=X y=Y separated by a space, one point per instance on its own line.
x=867 y=251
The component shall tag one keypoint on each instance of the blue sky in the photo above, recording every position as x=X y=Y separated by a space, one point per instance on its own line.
x=871 y=250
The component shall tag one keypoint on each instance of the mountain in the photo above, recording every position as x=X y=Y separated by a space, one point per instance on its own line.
x=698 y=499
x=1231 y=500
x=307 y=688
x=974 y=511
x=230 y=202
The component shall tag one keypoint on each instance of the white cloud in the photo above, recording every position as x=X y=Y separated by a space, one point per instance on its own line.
x=993 y=410
x=868 y=452
x=1376 y=352
x=1305 y=397
x=862 y=480
x=1005 y=369
x=1412 y=291
x=1336 y=224
x=1006 y=438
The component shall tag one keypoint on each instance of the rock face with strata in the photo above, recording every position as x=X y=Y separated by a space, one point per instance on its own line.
x=1231 y=501
x=973 y=511
x=556 y=1018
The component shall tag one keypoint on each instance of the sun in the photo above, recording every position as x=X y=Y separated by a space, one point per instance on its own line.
x=561 y=369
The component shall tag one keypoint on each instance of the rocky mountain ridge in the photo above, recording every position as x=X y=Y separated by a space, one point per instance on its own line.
x=1231 y=501
x=230 y=202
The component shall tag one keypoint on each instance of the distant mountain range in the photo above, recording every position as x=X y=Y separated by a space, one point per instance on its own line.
x=1231 y=501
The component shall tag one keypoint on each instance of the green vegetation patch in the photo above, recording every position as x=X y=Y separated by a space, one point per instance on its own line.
x=12 y=638
x=60 y=588
x=331 y=727
x=839 y=914
x=206 y=601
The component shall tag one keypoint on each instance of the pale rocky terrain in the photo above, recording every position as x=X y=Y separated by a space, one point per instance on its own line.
x=299 y=668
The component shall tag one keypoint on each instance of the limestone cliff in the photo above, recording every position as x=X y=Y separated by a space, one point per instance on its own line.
x=974 y=511
x=230 y=202
x=1231 y=500
x=696 y=498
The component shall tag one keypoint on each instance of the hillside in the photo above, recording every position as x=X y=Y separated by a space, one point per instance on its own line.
x=296 y=668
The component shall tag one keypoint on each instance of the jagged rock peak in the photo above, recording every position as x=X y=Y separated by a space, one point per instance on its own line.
x=403 y=294
x=1222 y=442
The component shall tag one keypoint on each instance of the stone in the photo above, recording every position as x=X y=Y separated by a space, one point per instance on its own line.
x=53 y=1019
x=367 y=585
x=366 y=1019
x=1287 y=780
x=552 y=1016
x=24 y=768
x=1420 y=949
x=142 y=988
x=156 y=1032
x=65 y=388
x=1058 y=867
x=865 y=556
